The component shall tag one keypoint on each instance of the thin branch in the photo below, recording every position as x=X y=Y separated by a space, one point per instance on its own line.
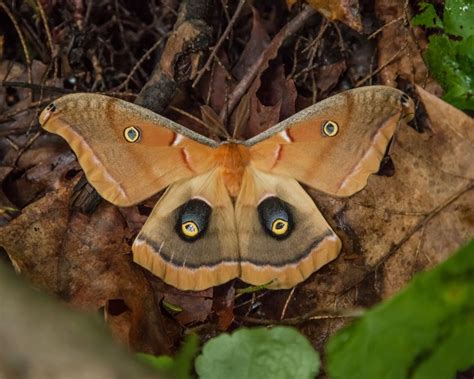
x=139 y=63
x=22 y=40
x=311 y=316
x=390 y=61
x=216 y=48
x=48 y=36
x=289 y=29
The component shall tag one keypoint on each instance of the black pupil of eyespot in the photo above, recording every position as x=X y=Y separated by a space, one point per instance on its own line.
x=132 y=133
x=279 y=225
x=190 y=227
x=330 y=128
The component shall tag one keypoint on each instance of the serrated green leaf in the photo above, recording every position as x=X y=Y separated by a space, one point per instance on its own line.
x=424 y=332
x=427 y=17
x=459 y=17
x=277 y=353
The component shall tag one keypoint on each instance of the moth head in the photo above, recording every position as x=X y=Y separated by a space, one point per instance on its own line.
x=131 y=134
x=329 y=128
x=193 y=219
x=275 y=216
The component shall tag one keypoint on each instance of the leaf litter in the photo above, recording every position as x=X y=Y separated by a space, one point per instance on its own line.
x=397 y=226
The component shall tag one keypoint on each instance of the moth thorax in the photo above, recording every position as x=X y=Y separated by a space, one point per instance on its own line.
x=233 y=160
x=232 y=180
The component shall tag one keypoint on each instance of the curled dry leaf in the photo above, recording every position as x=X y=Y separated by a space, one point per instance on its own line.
x=346 y=11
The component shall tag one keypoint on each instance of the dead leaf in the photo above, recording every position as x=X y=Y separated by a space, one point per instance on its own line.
x=271 y=97
x=328 y=76
x=255 y=46
x=223 y=305
x=399 y=53
x=346 y=11
x=84 y=260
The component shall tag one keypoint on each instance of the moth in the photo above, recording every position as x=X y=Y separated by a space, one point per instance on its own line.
x=231 y=209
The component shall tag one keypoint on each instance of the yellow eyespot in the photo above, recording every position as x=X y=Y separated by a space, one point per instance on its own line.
x=190 y=229
x=131 y=134
x=279 y=227
x=330 y=128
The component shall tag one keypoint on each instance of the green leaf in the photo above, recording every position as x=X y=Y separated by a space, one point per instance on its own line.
x=178 y=367
x=427 y=17
x=452 y=65
x=450 y=59
x=425 y=332
x=459 y=17
x=277 y=353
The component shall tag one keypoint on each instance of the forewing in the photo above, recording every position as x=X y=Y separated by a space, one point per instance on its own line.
x=124 y=172
x=366 y=119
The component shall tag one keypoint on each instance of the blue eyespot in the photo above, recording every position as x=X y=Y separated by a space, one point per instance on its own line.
x=330 y=128
x=131 y=134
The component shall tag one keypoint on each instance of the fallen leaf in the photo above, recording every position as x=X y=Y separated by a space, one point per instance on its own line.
x=346 y=11
x=328 y=76
x=255 y=46
x=399 y=47
x=223 y=305
x=195 y=306
x=85 y=261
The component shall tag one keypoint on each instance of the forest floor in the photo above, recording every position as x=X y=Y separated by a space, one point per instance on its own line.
x=237 y=65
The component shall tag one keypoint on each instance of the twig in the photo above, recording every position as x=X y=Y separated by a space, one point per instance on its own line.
x=6 y=116
x=424 y=221
x=22 y=40
x=139 y=63
x=48 y=36
x=289 y=29
x=161 y=87
x=192 y=117
x=311 y=316
x=410 y=233
x=35 y=87
x=216 y=48
x=391 y=60
x=287 y=302
x=384 y=26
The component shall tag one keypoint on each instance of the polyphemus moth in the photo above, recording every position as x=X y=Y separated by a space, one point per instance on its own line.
x=231 y=209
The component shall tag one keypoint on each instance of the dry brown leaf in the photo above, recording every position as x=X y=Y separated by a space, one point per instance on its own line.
x=85 y=261
x=217 y=84
x=223 y=306
x=255 y=46
x=328 y=76
x=271 y=97
x=346 y=11
x=195 y=306
x=400 y=47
